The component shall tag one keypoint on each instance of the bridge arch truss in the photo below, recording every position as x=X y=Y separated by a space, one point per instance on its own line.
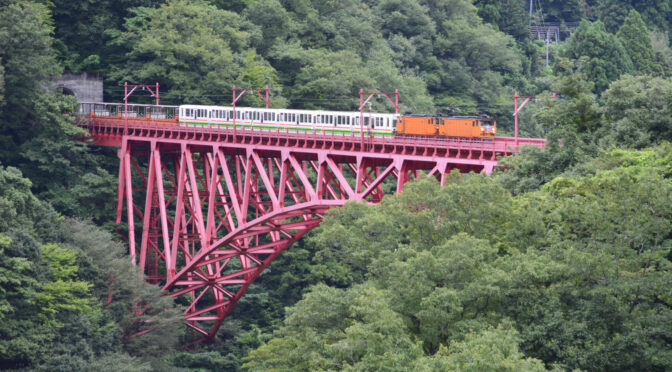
x=208 y=211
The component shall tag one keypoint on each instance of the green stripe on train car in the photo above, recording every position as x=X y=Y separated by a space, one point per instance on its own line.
x=281 y=128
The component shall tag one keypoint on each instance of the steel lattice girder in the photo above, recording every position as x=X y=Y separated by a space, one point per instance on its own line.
x=216 y=214
x=220 y=205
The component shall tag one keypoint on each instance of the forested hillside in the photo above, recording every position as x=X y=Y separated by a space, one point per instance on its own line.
x=560 y=260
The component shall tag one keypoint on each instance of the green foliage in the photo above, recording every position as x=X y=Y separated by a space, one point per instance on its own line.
x=36 y=127
x=635 y=39
x=494 y=349
x=655 y=13
x=83 y=29
x=67 y=291
x=190 y=48
x=332 y=329
x=600 y=55
x=27 y=59
x=637 y=111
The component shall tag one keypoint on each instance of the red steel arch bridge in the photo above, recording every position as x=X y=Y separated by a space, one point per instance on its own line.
x=208 y=209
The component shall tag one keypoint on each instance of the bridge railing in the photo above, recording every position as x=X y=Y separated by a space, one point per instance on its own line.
x=135 y=126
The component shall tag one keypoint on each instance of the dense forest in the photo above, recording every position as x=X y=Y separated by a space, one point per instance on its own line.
x=560 y=260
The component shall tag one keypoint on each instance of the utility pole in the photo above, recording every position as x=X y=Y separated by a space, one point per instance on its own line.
x=531 y=12
x=548 y=41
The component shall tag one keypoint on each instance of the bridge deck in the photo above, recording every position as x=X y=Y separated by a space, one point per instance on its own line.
x=110 y=131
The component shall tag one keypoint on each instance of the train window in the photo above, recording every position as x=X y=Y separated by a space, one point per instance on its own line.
x=473 y=123
x=347 y=120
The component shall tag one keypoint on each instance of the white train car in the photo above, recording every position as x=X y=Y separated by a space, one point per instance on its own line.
x=312 y=121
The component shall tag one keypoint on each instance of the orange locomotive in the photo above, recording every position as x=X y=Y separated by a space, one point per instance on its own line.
x=453 y=126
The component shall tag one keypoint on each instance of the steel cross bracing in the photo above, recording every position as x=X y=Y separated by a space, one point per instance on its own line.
x=213 y=210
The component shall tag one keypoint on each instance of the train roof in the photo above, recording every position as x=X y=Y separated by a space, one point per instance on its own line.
x=442 y=116
x=297 y=111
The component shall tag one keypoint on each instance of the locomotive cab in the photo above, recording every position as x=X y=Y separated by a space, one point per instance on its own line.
x=447 y=126
x=488 y=127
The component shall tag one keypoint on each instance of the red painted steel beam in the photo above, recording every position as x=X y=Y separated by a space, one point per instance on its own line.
x=234 y=203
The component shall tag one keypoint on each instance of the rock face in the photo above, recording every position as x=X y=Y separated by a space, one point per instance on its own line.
x=85 y=87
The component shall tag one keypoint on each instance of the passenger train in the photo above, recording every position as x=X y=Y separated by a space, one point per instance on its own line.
x=313 y=121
